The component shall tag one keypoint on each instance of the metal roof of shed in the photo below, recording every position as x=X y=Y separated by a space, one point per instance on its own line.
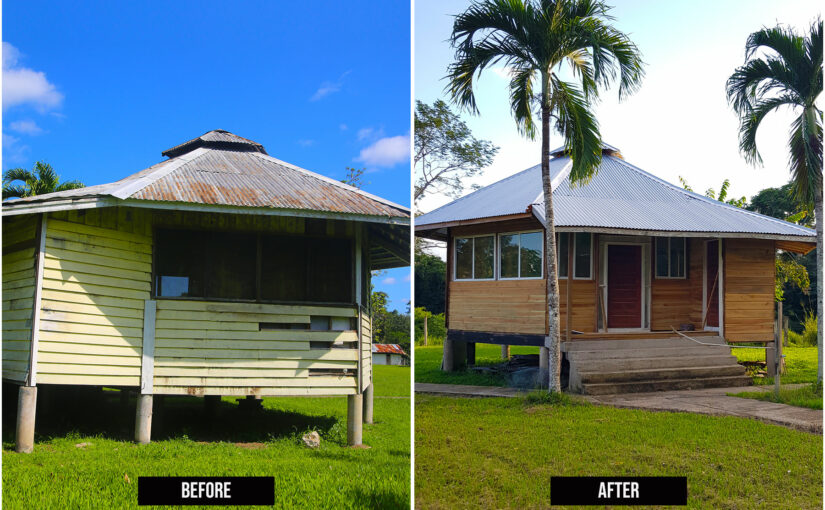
x=222 y=169
x=620 y=197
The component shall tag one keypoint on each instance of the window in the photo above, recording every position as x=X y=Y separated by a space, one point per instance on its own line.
x=474 y=258
x=241 y=266
x=520 y=255
x=582 y=255
x=670 y=257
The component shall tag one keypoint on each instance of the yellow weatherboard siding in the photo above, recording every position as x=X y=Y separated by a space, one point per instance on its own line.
x=96 y=278
x=18 y=294
x=218 y=348
x=366 y=351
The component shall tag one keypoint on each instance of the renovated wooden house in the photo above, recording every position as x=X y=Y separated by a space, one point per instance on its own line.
x=638 y=258
x=219 y=271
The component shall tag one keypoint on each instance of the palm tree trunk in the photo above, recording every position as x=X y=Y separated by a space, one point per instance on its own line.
x=553 y=340
x=819 y=278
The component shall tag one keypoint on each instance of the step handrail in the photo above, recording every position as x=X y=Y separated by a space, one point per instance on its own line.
x=715 y=345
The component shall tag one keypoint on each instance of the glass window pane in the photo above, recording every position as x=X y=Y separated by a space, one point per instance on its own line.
x=677 y=257
x=180 y=264
x=509 y=256
x=231 y=265
x=582 y=255
x=484 y=256
x=661 y=256
x=463 y=258
x=531 y=246
x=561 y=253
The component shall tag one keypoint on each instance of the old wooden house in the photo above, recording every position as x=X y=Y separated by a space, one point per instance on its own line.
x=638 y=258
x=219 y=271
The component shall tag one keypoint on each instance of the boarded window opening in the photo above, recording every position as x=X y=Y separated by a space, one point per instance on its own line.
x=275 y=326
x=329 y=345
x=332 y=372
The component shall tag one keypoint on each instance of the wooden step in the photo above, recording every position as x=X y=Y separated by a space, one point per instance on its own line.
x=662 y=374
x=666 y=385
x=619 y=364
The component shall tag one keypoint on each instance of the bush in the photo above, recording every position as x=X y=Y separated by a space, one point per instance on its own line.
x=809 y=329
x=435 y=325
x=794 y=338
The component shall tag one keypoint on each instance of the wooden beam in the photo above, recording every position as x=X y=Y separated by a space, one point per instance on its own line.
x=476 y=221
x=485 y=337
x=571 y=247
x=40 y=262
x=147 y=365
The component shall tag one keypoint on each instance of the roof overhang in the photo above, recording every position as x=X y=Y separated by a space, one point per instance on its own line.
x=438 y=231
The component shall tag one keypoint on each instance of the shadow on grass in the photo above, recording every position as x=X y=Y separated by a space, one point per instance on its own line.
x=66 y=411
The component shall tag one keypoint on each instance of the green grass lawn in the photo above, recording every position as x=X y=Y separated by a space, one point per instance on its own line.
x=428 y=365
x=501 y=453
x=104 y=472
x=805 y=396
x=800 y=364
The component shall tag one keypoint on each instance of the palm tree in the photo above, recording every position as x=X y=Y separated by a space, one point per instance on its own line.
x=534 y=39
x=42 y=179
x=788 y=72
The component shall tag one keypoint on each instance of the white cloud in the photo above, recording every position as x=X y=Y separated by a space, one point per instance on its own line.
x=26 y=127
x=406 y=277
x=13 y=152
x=329 y=87
x=342 y=127
x=388 y=281
x=306 y=143
x=22 y=85
x=387 y=151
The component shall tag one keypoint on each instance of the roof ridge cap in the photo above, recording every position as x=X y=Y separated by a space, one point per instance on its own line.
x=128 y=189
x=694 y=195
x=331 y=181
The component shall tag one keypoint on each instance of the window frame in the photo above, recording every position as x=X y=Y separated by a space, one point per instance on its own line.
x=473 y=258
x=498 y=255
x=669 y=267
x=572 y=270
x=351 y=241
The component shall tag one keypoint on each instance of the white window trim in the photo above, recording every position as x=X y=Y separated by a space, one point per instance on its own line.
x=656 y=260
x=498 y=256
x=473 y=267
x=571 y=240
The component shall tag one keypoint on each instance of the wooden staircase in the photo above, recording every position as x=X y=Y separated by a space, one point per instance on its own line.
x=602 y=367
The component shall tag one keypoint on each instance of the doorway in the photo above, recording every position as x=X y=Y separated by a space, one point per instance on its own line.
x=710 y=299
x=624 y=286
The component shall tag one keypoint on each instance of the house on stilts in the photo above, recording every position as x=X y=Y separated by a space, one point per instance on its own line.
x=219 y=271
x=638 y=260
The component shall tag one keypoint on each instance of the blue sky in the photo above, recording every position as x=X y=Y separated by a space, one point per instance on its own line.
x=677 y=124
x=99 y=89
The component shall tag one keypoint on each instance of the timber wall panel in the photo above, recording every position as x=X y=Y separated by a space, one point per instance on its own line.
x=678 y=301
x=583 y=299
x=211 y=348
x=366 y=350
x=97 y=276
x=749 y=272
x=504 y=306
x=18 y=294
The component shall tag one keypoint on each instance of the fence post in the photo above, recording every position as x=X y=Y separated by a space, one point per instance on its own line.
x=425 y=331
x=777 y=345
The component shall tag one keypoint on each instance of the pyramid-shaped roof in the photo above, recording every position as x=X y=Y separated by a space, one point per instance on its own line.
x=621 y=198
x=227 y=172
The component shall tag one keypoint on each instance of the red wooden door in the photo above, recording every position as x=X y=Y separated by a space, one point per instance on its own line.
x=712 y=284
x=624 y=286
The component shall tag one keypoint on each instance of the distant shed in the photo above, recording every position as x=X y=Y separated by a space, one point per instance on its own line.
x=389 y=354
x=219 y=271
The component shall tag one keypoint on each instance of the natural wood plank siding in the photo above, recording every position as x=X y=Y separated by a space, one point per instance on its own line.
x=506 y=306
x=749 y=272
x=209 y=348
x=97 y=275
x=678 y=301
x=583 y=301
x=18 y=294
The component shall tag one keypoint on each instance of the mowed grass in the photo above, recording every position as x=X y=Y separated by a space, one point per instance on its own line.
x=800 y=364
x=428 y=365
x=501 y=453
x=805 y=396
x=103 y=473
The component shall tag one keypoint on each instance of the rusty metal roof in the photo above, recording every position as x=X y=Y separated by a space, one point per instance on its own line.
x=222 y=169
x=388 y=349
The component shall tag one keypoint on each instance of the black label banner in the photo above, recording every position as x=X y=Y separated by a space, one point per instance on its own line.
x=206 y=490
x=618 y=490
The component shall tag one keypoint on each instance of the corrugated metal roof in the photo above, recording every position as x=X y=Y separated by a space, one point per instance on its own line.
x=220 y=175
x=217 y=138
x=388 y=349
x=620 y=196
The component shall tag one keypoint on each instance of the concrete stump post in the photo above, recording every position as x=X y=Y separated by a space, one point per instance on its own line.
x=544 y=359
x=355 y=416
x=368 y=396
x=505 y=352
x=143 y=419
x=26 y=407
x=447 y=362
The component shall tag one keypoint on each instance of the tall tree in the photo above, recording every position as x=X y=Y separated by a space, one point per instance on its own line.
x=534 y=39
x=38 y=181
x=446 y=152
x=787 y=72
